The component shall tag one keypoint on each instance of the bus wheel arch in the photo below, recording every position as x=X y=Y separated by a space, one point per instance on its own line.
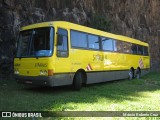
x=131 y=73
x=79 y=78
x=138 y=72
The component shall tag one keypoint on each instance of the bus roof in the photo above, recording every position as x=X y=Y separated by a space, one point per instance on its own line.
x=81 y=28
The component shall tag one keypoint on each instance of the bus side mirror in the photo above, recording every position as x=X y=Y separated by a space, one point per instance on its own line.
x=60 y=40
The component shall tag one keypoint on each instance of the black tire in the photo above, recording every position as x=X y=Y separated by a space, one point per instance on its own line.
x=77 y=81
x=138 y=74
x=130 y=74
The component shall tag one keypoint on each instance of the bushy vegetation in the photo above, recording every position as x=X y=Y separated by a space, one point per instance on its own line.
x=100 y=22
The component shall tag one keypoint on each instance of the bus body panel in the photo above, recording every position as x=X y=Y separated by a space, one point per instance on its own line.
x=103 y=76
x=30 y=66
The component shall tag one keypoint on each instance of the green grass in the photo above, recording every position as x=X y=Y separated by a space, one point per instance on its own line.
x=123 y=95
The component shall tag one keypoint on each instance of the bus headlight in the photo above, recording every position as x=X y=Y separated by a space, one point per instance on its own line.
x=16 y=72
x=43 y=72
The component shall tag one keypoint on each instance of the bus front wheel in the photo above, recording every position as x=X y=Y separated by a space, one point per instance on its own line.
x=77 y=81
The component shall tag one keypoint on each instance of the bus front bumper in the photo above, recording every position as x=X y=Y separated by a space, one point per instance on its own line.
x=56 y=80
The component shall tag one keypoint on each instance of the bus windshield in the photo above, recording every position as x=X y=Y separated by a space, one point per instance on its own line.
x=36 y=42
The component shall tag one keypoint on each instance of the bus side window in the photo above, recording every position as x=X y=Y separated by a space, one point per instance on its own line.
x=62 y=43
x=119 y=46
x=140 y=50
x=94 y=42
x=134 y=49
x=127 y=47
x=78 y=39
x=107 y=44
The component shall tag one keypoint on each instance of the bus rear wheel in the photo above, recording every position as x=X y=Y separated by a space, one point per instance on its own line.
x=138 y=73
x=77 y=81
x=130 y=74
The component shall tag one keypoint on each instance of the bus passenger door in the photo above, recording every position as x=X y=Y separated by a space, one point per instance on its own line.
x=62 y=62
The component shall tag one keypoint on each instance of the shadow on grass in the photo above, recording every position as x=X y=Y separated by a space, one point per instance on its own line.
x=22 y=97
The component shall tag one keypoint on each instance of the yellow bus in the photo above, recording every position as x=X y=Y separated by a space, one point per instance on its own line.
x=62 y=53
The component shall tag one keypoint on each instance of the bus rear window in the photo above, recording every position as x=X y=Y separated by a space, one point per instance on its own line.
x=145 y=51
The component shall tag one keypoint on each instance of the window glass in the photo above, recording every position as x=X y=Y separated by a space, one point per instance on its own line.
x=36 y=42
x=93 y=42
x=41 y=40
x=145 y=50
x=118 y=46
x=107 y=44
x=134 y=49
x=62 y=32
x=62 y=43
x=114 y=45
x=127 y=47
x=24 y=43
x=140 y=50
x=78 y=39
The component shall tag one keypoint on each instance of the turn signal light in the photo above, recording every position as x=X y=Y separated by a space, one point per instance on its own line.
x=50 y=72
